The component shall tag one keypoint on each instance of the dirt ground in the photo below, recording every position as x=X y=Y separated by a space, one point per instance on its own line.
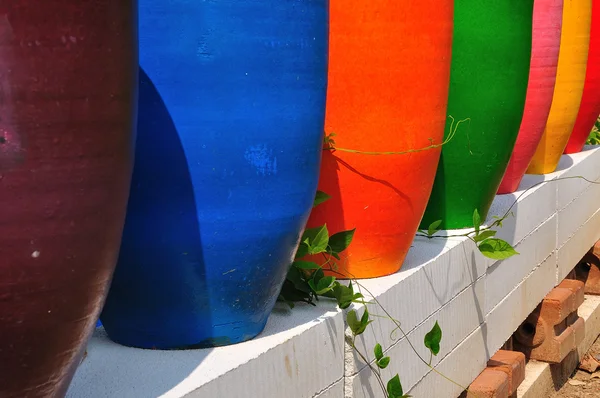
x=582 y=384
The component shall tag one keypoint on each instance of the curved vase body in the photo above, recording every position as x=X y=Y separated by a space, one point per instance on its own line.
x=589 y=109
x=387 y=92
x=491 y=55
x=67 y=110
x=230 y=130
x=570 y=79
x=547 y=19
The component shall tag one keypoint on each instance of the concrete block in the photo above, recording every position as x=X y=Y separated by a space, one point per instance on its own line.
x=463 y=365
x=578 y=245
x=536 y=203
x=577 y=212
x=276 y=363
x=504 y=319
x=434 y=273
x=534 y=249
x=458 y=319
x=584 y=164
x=334 y=391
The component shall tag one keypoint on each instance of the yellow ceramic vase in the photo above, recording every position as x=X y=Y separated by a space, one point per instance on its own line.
x=570 y=78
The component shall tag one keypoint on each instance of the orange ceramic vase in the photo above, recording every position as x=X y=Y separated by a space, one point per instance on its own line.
x=389 y=67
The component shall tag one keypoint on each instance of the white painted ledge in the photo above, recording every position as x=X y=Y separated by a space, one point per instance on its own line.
x=479 y=303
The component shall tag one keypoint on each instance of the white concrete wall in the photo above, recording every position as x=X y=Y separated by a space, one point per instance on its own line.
x=478 y=303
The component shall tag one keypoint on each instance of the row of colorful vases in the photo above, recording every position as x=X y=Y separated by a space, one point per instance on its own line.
x=231 y=107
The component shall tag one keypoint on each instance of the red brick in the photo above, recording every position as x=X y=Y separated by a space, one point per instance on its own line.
x=490 y=383
x=596 y=249
x=557 y=305
x=578 y=330
x=513 y=364
x=592 y=284
x=554 y=329
x=588 y=271
x=578 y=289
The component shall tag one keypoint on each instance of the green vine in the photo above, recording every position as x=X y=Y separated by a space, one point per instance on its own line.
x=330 y=145
x=307 y=280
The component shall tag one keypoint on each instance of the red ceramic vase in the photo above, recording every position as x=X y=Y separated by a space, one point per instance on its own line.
x=547 y=21
x=590 y=100
x=67 y=106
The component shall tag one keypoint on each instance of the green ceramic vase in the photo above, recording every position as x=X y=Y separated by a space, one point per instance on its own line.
x=491 y=52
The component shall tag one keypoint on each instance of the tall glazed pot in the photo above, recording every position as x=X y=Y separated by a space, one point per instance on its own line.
x=387 y=93
x=231 y=113
x=568 y=90
x=589 y=109
x=547 y=21
x=491 y=55
x=67 y=109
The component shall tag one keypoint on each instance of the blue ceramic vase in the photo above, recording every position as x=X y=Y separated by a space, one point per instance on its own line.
x=230 y=130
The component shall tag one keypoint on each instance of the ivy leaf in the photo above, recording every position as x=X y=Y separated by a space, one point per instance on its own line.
x=476 y=221
x=319 y=243
x=306 y=265
x=317 y=275
x=323 y=286
x=358 y=327
x=345 y=295
x=383 y=362
x=378 y=351
x=320 y=197
x=497 y=249
x=302 y=250
x=433 y=338
x=353 y=322
x=296 y=278
x=290 y=294
x=433 y=227
x=484 y=235
x=394 y=388
x=340 y=241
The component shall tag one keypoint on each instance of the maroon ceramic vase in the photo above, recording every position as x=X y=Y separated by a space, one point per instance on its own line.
x=68 y=70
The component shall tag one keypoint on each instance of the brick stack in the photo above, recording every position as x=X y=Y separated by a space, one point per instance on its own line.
x=504 y=373
x=588 y=270
x=554 y=329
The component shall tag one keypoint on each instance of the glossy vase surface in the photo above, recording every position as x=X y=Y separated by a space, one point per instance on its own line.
x=68 y=83
x=547 y=21
x=387 y=93
x=230 y=130
x=570 y=80
x=491 y=56
x=589 y=109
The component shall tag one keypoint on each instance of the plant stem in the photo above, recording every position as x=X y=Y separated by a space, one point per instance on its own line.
x=352 y=343
x=450 y=136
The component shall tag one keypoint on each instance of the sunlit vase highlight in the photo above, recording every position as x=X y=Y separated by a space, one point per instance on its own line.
x=547 y=21
x=231 y=116
x=67 y=112
x=568 y=90
x=488 y=83
x=589 y=109
x=387 y=93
